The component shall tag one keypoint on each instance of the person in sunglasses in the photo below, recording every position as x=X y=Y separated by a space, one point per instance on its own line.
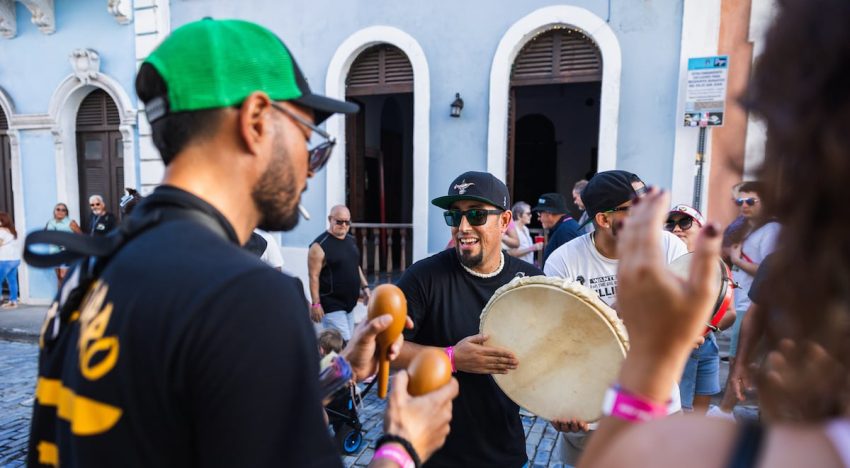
x=101 y=221
x=188 y=350
x=552 y=210
x=336 y=279
x=701 y=377
x=592 y=260
x=445 y=296
x=758 y=236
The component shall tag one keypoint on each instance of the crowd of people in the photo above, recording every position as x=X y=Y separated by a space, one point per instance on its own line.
x=229 y=358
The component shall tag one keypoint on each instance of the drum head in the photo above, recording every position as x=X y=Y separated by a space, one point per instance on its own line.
x=569 y=345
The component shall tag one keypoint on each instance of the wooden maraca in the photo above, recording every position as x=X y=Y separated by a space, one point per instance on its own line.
x=387 y=299
x=429 y=370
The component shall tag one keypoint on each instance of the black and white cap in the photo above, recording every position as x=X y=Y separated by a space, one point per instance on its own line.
x=479 y=186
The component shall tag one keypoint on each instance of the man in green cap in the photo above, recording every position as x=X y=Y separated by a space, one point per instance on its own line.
x=187 y=350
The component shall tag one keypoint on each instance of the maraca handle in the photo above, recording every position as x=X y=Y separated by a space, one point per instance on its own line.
x=383 y=377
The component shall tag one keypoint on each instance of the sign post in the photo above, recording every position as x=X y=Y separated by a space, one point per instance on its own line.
x=705 y=105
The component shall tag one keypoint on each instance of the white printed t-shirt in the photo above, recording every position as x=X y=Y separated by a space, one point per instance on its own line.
x=579 y=260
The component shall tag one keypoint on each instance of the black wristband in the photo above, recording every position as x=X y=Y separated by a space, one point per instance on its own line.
x=387 y=438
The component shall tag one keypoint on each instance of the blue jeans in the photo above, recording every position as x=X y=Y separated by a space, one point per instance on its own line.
x=9 y=273
x=702 y=372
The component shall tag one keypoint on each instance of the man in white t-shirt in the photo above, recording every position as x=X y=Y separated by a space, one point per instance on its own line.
x=746 y=256
x=271 y=255
x=592 y=260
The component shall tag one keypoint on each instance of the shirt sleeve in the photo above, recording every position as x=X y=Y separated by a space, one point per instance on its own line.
x=556 y=265
x=768 y=242
x=250 y=375
x=675 y=247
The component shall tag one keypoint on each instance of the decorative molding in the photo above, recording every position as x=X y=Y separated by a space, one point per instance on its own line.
x=8 y=22
x=43 y=14
x=338 y=70
x=86 y=64
x=509 y=47
x=122 y=10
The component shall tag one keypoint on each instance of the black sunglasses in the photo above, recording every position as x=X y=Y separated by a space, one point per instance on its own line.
x=319 y=154
x=749 y=201
x=683 y=223
x=342 y=222
x=475 y=216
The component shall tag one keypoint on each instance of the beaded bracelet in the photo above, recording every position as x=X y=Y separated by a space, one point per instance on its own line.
x=387 y=438
x=450 y=352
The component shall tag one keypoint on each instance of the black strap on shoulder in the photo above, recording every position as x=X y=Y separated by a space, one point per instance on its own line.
x=747 y=447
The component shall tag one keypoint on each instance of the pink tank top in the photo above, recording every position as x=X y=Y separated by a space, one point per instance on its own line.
x=838 y=432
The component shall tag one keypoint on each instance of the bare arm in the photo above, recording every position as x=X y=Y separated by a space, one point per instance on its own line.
x=315 y=260
x=470 y=355
x=737 y=258
x=511 y=238
x=365 y=292
x=76 y=227
x=752 y=328
x=728 y=318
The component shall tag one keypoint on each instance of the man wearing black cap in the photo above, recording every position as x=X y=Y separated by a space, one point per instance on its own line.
x=445 y=296
x=552 y=210
x=591 y=259
x=187 y=350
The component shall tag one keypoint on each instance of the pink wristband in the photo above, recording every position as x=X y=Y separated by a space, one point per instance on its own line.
x=450 y=352
x=629 y=407
x=394 y=454
x=313 y=306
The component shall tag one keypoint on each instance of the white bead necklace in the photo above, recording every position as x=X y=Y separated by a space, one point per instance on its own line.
x=487 y=275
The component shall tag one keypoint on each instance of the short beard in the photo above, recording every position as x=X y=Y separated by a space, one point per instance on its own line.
x=276 y=197
x=469 y=261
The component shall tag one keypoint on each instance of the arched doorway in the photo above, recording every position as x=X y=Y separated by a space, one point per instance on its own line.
x=7 y=201
x=556 y=80
x=379 y=157
x=100 y=158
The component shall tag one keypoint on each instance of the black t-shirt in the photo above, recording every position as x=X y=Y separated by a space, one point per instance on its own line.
x=756 y=293
x=190 y=352
x=445 y=303
x=339 y=280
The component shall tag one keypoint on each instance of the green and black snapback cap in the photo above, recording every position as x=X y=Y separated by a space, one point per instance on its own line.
x=209 y=64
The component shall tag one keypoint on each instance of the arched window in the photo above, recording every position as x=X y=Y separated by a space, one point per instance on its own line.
x=7 y=203
x=380 y=69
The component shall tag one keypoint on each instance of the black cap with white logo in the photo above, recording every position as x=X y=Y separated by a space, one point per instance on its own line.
x=551 y=203
x=478 y=186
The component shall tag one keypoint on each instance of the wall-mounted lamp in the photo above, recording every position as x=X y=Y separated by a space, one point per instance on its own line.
x=457 y=105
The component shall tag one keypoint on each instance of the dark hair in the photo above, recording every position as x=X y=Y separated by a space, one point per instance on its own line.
x=6 y=222
x=753 y=186
x=330 y=340
x=174 y=131
x=800 y=89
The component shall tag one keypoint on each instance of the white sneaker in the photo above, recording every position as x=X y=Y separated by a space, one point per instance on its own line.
x=714 y=411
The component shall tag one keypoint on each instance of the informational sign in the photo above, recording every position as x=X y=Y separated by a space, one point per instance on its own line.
x=705 y=97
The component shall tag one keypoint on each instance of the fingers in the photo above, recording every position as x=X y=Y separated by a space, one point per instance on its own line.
x=408 y=323
x=377 y=325
x=704 y=264
x=398 y=390
x=477 y=339
x=395 y=348
x=447 y=392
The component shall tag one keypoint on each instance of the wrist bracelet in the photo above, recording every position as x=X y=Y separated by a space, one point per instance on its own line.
x=629 y=407
x=450 y=352
x=395 y=454
x=313 y=306
x=386 y=438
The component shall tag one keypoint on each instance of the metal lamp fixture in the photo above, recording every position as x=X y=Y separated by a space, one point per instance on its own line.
x=457 y=105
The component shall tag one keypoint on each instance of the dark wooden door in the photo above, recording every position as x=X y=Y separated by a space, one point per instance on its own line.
x=100 y=161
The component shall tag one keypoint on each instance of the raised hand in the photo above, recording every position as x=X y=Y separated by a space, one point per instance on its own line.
x=361 y=351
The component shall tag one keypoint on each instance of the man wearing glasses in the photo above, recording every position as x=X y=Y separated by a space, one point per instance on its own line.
x=101 y=221
x=552 y=210
x=592 y=259
x=188 y=350
x=445 y=296
x=336 y=279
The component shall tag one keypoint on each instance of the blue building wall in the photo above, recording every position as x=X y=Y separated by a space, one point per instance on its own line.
x=459 y=40
x=32 y=65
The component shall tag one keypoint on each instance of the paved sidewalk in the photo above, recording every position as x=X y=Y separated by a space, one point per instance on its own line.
x=22 y=323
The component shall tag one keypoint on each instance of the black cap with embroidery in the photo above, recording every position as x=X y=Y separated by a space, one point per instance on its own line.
x=478 y=186
x=608 y=190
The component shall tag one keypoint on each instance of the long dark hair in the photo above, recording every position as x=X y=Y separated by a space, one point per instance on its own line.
x=800 y=88
x=6 y=222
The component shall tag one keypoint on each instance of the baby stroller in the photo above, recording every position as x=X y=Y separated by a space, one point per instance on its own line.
x=342 y=416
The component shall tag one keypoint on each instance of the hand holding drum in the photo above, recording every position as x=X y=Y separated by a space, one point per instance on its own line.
x=429 y=370
x=387 y=299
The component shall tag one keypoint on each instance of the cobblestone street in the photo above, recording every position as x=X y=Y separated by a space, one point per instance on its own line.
x=17 y=381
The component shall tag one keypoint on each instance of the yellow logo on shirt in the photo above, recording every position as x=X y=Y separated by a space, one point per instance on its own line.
x=98 y=353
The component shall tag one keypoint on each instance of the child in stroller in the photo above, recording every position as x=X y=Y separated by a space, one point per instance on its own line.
x=342 y=407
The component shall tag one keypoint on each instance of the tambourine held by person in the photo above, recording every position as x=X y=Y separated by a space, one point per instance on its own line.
x=569 y=344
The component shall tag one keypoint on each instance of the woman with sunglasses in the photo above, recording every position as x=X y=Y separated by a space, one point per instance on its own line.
x=61 y=221
x=701 y=377
x=522 y=217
